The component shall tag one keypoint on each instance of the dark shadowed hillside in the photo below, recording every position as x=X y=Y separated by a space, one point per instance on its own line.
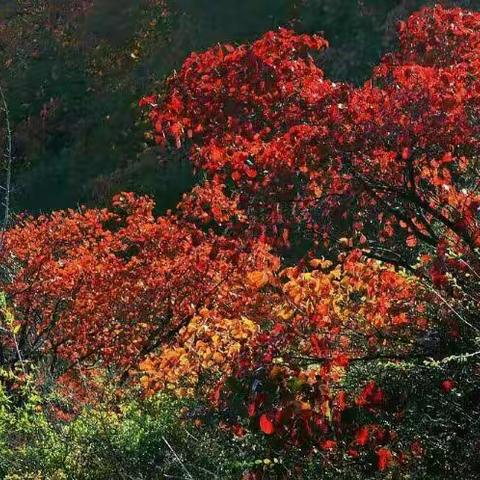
x=73 y=72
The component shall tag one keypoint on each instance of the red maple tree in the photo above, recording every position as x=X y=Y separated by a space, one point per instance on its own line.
x=112 y=285
x=381 y=179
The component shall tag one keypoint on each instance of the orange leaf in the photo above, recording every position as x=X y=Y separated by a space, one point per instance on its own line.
x=411 y=241
x=257 y=279
x=217 y=212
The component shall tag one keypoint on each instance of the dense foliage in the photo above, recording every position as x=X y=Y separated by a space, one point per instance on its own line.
x=73 y=71
x=309 y=309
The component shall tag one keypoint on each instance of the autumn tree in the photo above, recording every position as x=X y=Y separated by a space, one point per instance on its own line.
x=252 y=115
x=110 y=286
x=292 y=378
x=393 y=159
x=372 y=190
x=389 y=167
x=385 y=172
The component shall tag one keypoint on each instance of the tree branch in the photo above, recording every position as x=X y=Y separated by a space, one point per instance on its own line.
x=8 y=168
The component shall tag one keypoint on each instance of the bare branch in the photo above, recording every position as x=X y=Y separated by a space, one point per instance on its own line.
x=179 y=460
x=8 y=167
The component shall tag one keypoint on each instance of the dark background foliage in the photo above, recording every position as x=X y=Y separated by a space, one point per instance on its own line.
x=73 y=72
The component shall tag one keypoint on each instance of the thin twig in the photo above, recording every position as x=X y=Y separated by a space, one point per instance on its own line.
x=179 y=460
x=450 y=307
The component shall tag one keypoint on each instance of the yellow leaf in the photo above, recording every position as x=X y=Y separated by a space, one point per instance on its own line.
x=326 y=410
x=285 y=313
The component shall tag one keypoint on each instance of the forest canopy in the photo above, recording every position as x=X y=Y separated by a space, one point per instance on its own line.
x=308 y=309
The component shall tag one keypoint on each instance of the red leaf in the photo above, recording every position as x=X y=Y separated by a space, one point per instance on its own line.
x=448 y=385
x=416 y=449
x=384 y=456
x=406 y=153
x=341 y=400
x=266 y=425
x=341 y=360
x=239 y=431
x=378 y=396
x=362 y=436
x=329 y=445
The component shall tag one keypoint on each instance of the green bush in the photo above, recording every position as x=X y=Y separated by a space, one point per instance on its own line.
x=130 y=439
